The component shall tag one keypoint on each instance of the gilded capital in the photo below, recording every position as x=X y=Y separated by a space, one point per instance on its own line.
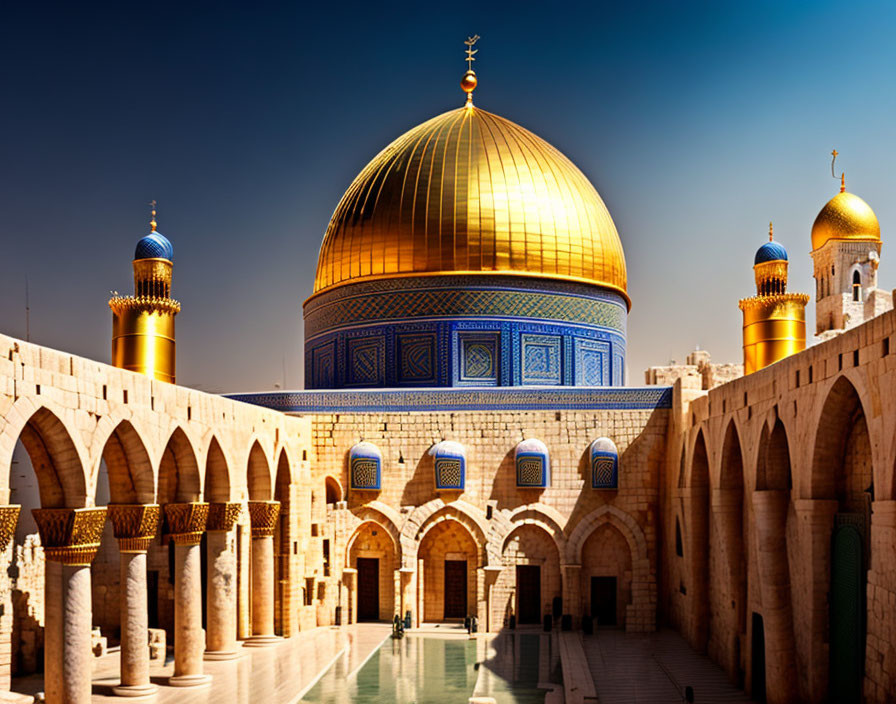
x=263 y=516
x=186 y=522
x=223 y=516
x=9 y=516
x=70 y=535
x=135 y=525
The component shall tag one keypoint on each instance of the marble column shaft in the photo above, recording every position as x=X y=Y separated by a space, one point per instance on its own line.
x=221 y=582
x=70 y=537
x=186 y=523
x=263 y=515
x=135 y=526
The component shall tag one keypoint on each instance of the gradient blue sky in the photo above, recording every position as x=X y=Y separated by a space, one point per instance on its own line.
x=698 y=123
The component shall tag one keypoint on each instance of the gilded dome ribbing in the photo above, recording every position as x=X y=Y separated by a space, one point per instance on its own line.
x=845 y=217
x=471 y=192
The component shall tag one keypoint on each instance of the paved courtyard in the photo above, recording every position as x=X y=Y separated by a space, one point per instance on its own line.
x=654 y=668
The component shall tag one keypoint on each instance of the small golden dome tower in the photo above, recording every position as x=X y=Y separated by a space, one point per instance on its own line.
x=774 y=320
x=143 y=324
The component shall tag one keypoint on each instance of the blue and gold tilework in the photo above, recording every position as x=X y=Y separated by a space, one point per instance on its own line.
x=465 y=331
x=450 y=465
x=366 y=466
x=604 y=464
x=533 y=464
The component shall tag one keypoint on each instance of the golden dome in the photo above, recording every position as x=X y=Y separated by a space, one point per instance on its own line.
x=845 y=217
x=471 y=192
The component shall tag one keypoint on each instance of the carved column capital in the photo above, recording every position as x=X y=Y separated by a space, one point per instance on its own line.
x=9 y=516
x=186 y=522
x=263 y=516
x=134 y=525
x=70 y=535
x=223 y=516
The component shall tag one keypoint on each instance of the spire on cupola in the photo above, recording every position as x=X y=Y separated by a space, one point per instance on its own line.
x=143 y=324
x=469 y=82
x=774 y=321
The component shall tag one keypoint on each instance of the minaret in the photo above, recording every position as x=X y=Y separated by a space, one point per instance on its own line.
x=774 y=320
x=846 y=253
x=143 y=324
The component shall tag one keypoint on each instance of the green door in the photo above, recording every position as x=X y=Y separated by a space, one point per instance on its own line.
x=847 y=615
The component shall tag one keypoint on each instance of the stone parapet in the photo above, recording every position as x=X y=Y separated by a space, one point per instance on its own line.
x=186 y=522
x=134 y=525
x=263 y=516
x=70 y=535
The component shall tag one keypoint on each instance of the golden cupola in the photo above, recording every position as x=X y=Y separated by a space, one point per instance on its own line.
x=143 y=324
x=845 y=217
x=774 y=324
x=471 y=192
x=468 y=252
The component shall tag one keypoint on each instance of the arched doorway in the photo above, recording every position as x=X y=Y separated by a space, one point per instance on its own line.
x=606 y=576
x=842 y=470
x=450 y=558
x=372 y=553
x=696 y=512
x=531 y=580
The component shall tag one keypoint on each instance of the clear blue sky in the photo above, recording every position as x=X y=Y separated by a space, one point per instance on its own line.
x=698 y=123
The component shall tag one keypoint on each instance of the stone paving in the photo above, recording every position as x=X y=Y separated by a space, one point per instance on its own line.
x=654 y=668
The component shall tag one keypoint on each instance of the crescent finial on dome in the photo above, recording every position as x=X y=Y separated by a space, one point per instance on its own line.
x=469 y=81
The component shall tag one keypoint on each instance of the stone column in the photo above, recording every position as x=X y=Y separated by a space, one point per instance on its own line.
x=350 y=577
x=770 y=512
x=727 y=506
x=263 y=515
x=815 y=520
x=572 y=592
x=407 y=593
x=9 y=516
x=492 y=572
x=186 y=523
x=135 y=527
x=70 y=537
x=220 y=614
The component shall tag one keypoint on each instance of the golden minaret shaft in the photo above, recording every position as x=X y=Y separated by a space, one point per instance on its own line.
x=774 y=320
x=143 y=324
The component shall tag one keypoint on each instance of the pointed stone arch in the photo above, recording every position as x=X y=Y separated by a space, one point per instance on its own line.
x=546 y=517
x=420 y=520
x=258 y=474
x=179 y=479
x=217 y=474
x=131 y=476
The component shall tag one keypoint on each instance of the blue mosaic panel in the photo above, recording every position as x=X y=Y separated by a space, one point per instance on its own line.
x=604 y=470
x=366 y=473
x=323 y=365
x=530 y=471
x=618 y=370
x=541 y=359
x=450 y=472
x=592 y=363
x=365 y=361
x=479 y=359
x=417 y=357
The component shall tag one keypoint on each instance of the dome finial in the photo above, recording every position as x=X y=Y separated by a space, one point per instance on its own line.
x=469 y=81
x=771 y=231
x=835 y=154
x=152 y=222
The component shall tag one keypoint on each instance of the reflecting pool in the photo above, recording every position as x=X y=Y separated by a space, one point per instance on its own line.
x=422 y=669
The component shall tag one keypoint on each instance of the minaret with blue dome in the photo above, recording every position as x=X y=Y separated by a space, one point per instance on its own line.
x=143 y=324
x=774 y=320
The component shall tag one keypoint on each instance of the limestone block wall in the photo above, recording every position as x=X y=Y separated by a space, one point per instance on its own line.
x=764 y=471
x=492 y=506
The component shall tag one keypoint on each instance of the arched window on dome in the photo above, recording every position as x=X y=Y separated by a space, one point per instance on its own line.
x=365 y=463
x=533 y=465
x=604 y=464
x=450 y=465
x=856 y=286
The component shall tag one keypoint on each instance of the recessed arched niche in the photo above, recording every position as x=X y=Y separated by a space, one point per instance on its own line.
x=449 y=465
x=604 y=464
x=533 y=465
x=365 y=463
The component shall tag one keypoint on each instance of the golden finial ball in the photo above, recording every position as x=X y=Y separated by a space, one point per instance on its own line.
x=468 y=82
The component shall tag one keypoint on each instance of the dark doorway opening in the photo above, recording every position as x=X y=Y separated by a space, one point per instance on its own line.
x=368 y=589
x=757 y=680
x=455 y=589
x=847 y=614
x=603 y=600
x=528 y=593
x=152 y=598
